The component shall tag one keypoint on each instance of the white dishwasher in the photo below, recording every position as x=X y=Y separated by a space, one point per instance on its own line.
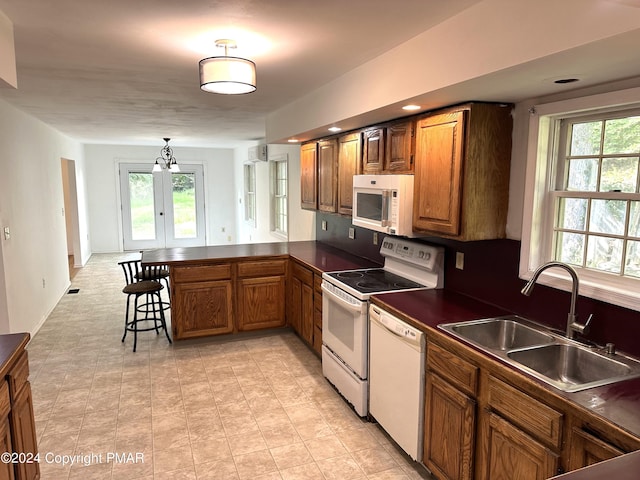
x=396 y=379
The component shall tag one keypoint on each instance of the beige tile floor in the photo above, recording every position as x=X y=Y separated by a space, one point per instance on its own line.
x=243 y=407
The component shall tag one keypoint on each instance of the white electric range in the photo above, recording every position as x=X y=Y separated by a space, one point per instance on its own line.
x=408 y=265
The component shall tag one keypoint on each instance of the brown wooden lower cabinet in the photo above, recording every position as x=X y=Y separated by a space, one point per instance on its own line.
x=301 y=306
x=450 y=422
x=482 y=422
x=202 y=308
x=23 y=430
x=225 y=297
x=512 y=454
x=17 y=422
x=260 y=302
x=587 y=449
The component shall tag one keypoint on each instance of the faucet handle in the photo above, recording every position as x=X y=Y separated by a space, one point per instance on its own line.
x=582 y=328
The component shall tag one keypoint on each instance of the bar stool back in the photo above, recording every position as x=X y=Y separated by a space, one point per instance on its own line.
x=150 y=311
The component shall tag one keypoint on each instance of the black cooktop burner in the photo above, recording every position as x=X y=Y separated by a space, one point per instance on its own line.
x=374 y=280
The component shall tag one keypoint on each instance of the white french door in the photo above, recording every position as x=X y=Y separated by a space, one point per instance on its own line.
x=162 y=209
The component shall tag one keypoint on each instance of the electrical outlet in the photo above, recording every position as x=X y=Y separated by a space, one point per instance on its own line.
x=375 y=238
x=460 y=260
x=352 y=233
x=7 y=233
x=324 y=225
x=43 y=283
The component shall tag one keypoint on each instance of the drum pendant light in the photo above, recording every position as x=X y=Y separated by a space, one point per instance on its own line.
x=227 y=75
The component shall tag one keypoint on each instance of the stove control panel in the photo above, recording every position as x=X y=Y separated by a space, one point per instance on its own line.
x=410 y=251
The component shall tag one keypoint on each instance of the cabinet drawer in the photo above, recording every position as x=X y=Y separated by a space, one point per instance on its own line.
x=262 y=268
x=459 y=372
x=5 y=403
x=19 y=374
x=302 y=273
x=201 y=273
x=526 y=412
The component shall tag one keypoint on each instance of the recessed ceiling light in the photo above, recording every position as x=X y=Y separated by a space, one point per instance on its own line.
x=334 y=129
x=293 y=140
x=411 y=107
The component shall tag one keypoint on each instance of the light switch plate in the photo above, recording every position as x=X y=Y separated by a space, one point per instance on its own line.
x=7 y=233
x=460 y=260
x=324 y=225
x=352 y=233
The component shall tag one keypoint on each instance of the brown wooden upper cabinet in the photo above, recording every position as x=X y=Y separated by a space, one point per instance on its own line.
x=348 y=166
x=388 y=148
x=328 y=175
x=309 y=176
x=462 y=159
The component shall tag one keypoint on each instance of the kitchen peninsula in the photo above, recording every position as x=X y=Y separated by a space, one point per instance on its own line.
x=232 y=288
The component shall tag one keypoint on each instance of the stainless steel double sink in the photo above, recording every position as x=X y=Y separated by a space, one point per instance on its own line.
x=553 y=358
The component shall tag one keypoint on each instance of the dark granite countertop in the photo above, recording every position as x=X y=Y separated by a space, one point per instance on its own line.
x=318 y=256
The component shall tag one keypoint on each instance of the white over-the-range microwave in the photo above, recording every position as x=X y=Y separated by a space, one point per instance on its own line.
x=383 y=203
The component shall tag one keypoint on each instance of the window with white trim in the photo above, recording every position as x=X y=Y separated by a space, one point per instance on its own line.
x=582 y=202
x=279 y=183
x=250 y=193
x=596 y=201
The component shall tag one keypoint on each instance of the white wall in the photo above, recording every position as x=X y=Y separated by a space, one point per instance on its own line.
x=103 y=185
x=301 y=223
x=34 y=259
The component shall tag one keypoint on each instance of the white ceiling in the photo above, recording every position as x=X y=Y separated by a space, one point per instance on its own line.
x=126 y=71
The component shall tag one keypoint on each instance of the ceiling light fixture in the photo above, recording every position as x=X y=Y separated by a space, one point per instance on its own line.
x=166 y=159
x=227 y=75
x=411 y=107
x=334 y=129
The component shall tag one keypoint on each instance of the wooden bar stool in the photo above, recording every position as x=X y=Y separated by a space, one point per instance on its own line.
x=151 y=310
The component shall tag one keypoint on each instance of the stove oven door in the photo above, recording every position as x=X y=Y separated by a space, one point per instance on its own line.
x=345 y=328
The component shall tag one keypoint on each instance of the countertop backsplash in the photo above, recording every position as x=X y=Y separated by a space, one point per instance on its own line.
x=491 y=275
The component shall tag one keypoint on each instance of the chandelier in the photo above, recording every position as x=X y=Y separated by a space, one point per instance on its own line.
x=227 y=75
x=166 y=159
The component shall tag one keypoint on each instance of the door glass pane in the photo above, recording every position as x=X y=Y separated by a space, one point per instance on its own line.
x=143 y=224
x=184 y=205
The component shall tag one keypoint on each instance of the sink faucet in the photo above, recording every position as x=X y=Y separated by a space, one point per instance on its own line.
x=573 y=326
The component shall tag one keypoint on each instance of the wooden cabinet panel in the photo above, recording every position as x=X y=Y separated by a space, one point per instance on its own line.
x=301 y=300
x=438 y=173
x=309 y=176
x=200 y=273
x=328 y=175
x=19 y=374
x=349 y=160
x=399 y=148
x=462 y=162
x=23 y=429
x=373 y=150
x=587 y=449
x=260 y=302
x=203 y=308
x=449 y=430
x=459 y=372
x=513 y=455
x=6 y=469
x=262 y=268
x=526 y=412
